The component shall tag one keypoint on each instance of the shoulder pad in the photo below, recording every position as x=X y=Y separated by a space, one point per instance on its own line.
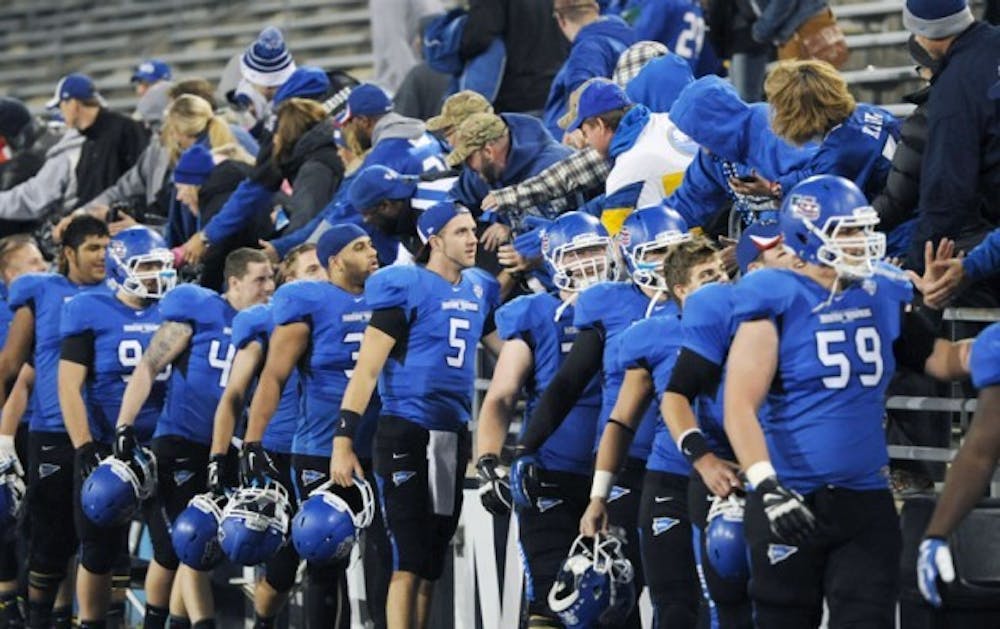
x=189 y=303
x=592 y=303
x=985 y=360
x=763 y=294
x=649 y=340
x=490 y=285
x=26 y=288
x=252 y=324
x=515 y=317
x=894 y=281
x=296 y=301
x=81 y=312
x=390 y=287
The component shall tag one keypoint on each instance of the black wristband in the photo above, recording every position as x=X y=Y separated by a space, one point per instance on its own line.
x=348 y=424
x=693 y=445
x=622 y=425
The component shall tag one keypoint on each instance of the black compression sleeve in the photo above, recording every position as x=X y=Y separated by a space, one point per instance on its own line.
x=581 y=365
x=490 y=324
x=916 y=341
x=392 y=321
x=693 y=374
x=78 y=348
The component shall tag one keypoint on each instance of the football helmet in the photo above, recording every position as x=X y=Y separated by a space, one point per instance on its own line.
x=255 y=524
x=815 y=216
x=137 y=256
x=195 y=533
x=724 y=542
x=113 y=492
x=328 y=524
x=565 y=244
x=595 y=585
x=646 y=231
x=11 y=491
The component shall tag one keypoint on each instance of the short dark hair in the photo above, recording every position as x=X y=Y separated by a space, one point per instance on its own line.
x=611 y=119
x=81 y=228
x=195 y=87
x=285 y=267
x=681 y=258
x=239 y=260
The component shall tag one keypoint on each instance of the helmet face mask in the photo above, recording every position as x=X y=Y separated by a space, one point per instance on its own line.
x=595 y=584
x=254 y=524
x=852 y=246
x=645 y=238
x=579 y=251
x=141 y=264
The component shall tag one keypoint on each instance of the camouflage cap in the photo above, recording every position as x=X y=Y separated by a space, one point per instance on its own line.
x=457 y=108
x=477 y=131
x=571 y=104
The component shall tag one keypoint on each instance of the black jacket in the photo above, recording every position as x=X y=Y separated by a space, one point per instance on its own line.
x=536 y=48
x=113 y=144
x=314 y=170
x=898 y=200
x=730 y=25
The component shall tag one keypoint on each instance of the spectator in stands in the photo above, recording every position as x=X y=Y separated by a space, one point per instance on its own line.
x=730 y=30
x=198 y=87
x=24 y=143
x=382 y=197
x=777 y=20
x=264 y=67
x=204 y=180
x=535 y=48
x=395 y=33
x=112 y=142
x=960 y=175
x=596 y=44
x=454 y=111
x=678 y=24
x=152 y=105
x=149 y=73
x=53 y=189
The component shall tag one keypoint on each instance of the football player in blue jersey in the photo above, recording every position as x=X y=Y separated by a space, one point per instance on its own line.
x=251 y=334
x=103 y=337
x=647 y=352
x=318 y=328
x=602 y=313
x=970 y=472
x=420 y=347
x=19 y=254
x=538 y=332
x=37 y=300
x=194 y=341
x=819 y=343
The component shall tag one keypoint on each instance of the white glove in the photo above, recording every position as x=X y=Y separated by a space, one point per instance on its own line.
x=933 y=563
x=8 y=452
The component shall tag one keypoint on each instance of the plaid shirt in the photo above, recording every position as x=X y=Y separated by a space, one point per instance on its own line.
x=582 y=172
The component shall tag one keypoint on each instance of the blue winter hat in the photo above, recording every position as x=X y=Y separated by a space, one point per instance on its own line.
x=305 y=82
x=151 y=71
x=434 y=218
x=756 y=239
x=366 y=99
x=600 y=96
x=267 y=62
x=73 y=86
x=194 y=166
x=335 y=239
x=375 y=184
x=937 y=19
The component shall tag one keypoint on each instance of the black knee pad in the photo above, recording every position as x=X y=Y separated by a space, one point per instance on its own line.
x=47 y=582
x=280 y=570
x=167 y=559
x=98 y=557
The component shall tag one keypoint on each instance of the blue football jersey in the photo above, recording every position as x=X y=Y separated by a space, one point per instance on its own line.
x=199 y=374
x=45 y=294
x=533 y=319
x=337 y=320
x=653 y=344
x=613 y=307
x=429 y=377
x=985 y=360
x=424 y=153
x=707 y=328
x=6 y=317
x=677 y=24
x=256 y=324
x=120 y=335
x=835 y=360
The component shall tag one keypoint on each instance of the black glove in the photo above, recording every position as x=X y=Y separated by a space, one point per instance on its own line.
x=494 y=486
x=126 y=445
x=215 y=484
x=87 y=458
x=256 y=466
x=791 y=519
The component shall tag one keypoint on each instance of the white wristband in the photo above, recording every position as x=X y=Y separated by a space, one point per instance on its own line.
x=760 y=471
x=603 y=482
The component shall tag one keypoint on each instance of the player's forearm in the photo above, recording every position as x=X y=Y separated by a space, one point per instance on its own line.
x=613 y=447
x=745 y=434
x=74 y=412
x=263 y=406
x=136 y=393
x=230 y=405
x=677 y=414
x=949 y=361
x=359 y=392
x=17 y=401
x=494 y=421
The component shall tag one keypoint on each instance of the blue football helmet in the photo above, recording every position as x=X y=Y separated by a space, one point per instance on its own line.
x=578 y=249
x=11 y=491
x=113 y=492
x=140 y=263
x=327 y=525
x=814 y=217
x=195 y=533
x=646 y=235
x=595 y=585
x=724 y=542
x=254 y=524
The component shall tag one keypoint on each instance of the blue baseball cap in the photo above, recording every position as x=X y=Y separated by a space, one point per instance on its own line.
x=305 y=82
x=366 y=99
x=600 y=96
x=333 y=240
x=375 y=184
x=74 y=86
x=756 y=239
x=151 y=71
x=434 y=218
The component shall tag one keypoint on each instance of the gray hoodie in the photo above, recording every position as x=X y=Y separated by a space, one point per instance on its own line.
x=52 y=189
x=394 y=126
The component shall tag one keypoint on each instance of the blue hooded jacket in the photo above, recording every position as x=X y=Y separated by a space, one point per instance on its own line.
x=594 y=53
x=442 y=42
x=660 y=82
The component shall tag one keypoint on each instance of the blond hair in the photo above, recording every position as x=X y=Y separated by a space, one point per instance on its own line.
x=191 y=116
x=681 y=258
x=295 y=117
x=808 y=99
